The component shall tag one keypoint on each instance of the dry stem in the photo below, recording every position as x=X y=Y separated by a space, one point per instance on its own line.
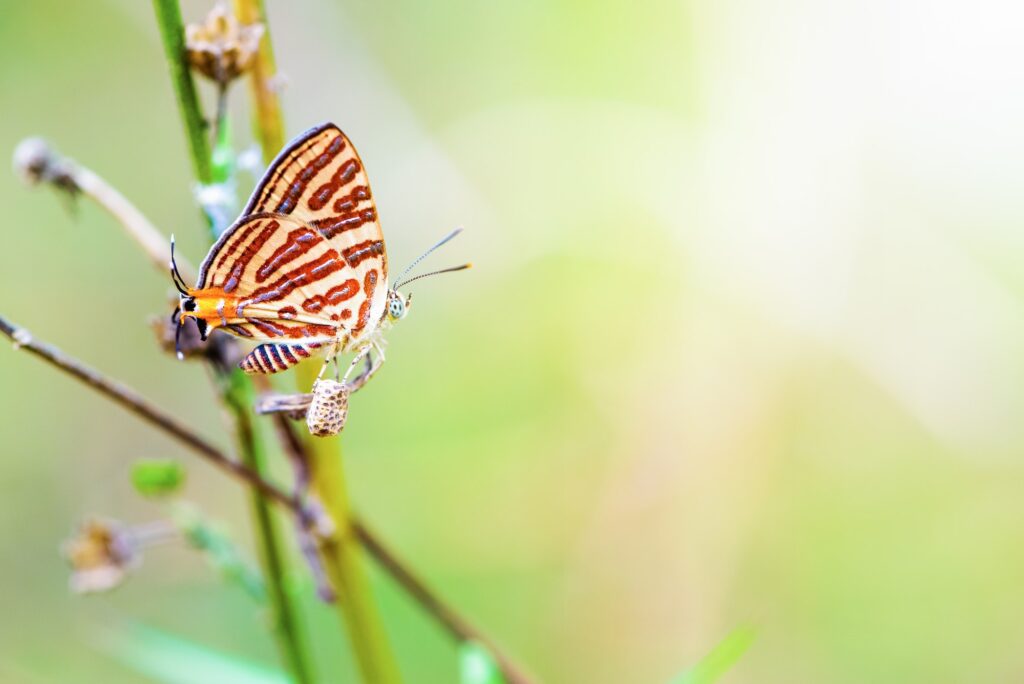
x=142 y=407
x=40 y=162
x=456 y=625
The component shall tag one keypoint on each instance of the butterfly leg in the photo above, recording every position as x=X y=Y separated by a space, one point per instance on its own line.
x=331 y=355
x=372 y=366
x=379 y=346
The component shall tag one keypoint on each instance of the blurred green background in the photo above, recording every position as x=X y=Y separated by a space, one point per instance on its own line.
x=744 y=341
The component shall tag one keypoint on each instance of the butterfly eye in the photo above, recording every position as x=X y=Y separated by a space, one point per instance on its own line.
x=396 y=308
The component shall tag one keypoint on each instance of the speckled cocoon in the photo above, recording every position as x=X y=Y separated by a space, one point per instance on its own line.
x=329 y=408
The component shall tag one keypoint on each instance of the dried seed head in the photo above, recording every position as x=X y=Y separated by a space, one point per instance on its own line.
x=101 y=554
x=328 y=409
x=190 y=343
x=32 y=158
x=221 y=48
x=36 y=162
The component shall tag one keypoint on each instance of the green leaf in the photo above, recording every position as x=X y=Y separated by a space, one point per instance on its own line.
x=723 y=656
x=477 y=666
x=157 y=476
x=170 y=659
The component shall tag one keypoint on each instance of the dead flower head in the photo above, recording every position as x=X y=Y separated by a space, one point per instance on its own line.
x=221 y=48
x=37 y=162
x=101 y=554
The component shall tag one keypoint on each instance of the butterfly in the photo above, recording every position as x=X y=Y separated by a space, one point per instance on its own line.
x=304 y=269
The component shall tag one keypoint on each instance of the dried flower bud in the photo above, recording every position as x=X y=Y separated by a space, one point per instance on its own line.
x=328 y=409
x=101 y=555
x=221 y=48
x=36 y=162
x=32 y=158
x=190 y=343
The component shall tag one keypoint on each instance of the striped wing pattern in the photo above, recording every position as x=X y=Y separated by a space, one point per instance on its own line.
x=274 y=358
x=273 y=278
x=319 y=179
x=304 y=268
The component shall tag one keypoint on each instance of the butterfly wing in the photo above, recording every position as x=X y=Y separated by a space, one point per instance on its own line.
x=273 y=357
x=272 y=277
x=319 y=179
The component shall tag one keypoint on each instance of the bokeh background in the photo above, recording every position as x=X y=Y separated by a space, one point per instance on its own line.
x=743 y=345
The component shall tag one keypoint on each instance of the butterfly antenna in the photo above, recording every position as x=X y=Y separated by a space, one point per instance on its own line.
x=177 y=335
x=423 y=256
x=179 y=282
x=452 y=269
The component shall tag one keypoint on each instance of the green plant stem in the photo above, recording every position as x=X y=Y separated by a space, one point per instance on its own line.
x=172 y=33
x=344 y=559
x=268 y=123
x=238 y=394
x=252 y=447
x=342 y=554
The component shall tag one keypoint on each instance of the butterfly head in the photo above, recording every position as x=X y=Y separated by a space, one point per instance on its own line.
x=398 y=305
x=187 y=307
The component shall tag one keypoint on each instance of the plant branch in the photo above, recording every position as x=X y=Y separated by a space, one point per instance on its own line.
x=39 y=162
x=172 y=33
x=343 y=556
x=457 y=626
x=237 y=393
x=142 y=407
x=267 y=120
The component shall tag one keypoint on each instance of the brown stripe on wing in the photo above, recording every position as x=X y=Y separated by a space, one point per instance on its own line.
x=297 y=243
x=342 y=176
x=351 y=200
x=231 y=249
x=238 y=266
x=367 y=249
x=369 y=286
x=320 y=180
x=337 y=294
x=304 y=276
x=306 y=174
x=333 y=225
x=286 y=164
x=280 y=328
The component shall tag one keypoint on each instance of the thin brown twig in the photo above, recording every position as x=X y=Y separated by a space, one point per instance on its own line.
x=39 y=162
x=142 y=407
x=128 y=398
x=67 y=175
